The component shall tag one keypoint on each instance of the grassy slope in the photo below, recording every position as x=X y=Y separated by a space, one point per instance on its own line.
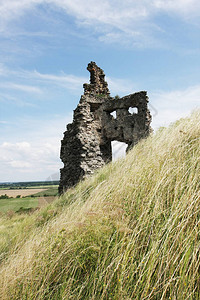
x=132 y=231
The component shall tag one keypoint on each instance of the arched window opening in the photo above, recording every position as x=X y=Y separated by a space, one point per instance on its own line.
x=114 y=114
x=118 y=150
x=133 y=110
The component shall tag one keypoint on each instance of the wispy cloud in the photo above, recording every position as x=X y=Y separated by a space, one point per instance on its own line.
x=4 y=122
x=173 y=105
x=121 y=86
x=64 y=80
x=15 y=85
x=38 y=80
x=132 y=22
x=184 y=8
x=20 y=87
x=33 y=158
x=14 y=8
x=34 y=150
x=17 y=158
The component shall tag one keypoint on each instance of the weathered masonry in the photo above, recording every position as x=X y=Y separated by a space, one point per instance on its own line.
x=98 y=120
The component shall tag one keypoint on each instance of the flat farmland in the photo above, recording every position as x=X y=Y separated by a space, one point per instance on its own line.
x=22 y=192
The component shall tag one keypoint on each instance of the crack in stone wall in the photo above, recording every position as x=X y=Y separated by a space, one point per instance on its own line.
x=86 y=145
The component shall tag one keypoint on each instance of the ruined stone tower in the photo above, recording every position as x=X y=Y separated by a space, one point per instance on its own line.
x=86 y=145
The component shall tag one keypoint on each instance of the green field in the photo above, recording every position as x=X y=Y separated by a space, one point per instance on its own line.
x=15 y=204
x=27 y=203
x=53 y=191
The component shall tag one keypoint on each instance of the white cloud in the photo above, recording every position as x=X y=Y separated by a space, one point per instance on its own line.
x=127 y=21
x=120 y=86
x=4 y=122
x=171 y=106
x=64 y=80
x=34 y=155
x=11 y=151
x=20 y=87
x=20 y=146
x=36 y=159
x=120 y=13
x=17 y=79
x=15 y=8
x=19 y=164
x=184 y=8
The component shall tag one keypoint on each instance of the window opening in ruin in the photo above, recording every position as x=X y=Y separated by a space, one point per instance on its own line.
x=133 y=110
x=118 y=149
x=114 y=114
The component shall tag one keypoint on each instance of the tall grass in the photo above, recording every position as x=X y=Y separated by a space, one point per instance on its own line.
x=132 y=231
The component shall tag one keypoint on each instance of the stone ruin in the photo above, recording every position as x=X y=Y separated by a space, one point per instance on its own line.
x=98 y=120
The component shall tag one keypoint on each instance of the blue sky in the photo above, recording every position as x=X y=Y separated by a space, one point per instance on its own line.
x=46 y=45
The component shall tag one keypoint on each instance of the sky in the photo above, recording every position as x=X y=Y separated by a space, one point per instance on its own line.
x=45 y=46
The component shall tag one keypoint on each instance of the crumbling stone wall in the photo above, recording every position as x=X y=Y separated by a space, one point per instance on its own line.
x=86 y=145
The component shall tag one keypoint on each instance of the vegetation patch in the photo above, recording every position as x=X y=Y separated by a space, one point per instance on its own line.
x=132 y=231
x=27 y=199
x=14 y=204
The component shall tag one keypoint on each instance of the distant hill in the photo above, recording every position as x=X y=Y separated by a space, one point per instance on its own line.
x=132 y=231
